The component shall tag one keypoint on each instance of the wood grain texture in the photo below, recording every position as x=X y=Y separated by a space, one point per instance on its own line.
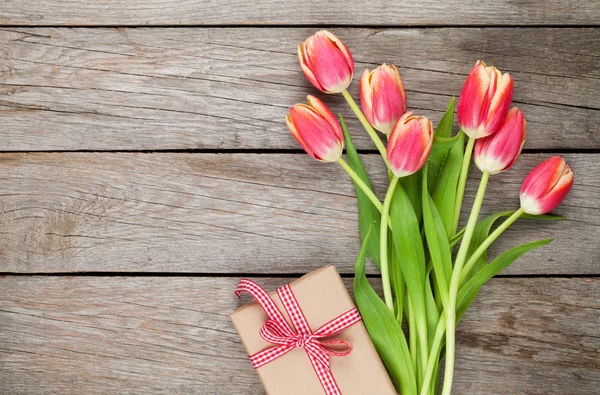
x=238 y=213
x=142 y=335
x=224 y=88
x=271 y=12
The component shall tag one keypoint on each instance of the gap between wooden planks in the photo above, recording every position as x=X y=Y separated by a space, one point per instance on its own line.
x=137 y=335
x=239 y=213
x=230 y=88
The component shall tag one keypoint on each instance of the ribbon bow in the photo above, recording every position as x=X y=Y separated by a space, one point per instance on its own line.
x=277 y=331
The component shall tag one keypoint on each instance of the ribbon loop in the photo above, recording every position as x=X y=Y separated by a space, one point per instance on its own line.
x=278 y=332
x=342 y=352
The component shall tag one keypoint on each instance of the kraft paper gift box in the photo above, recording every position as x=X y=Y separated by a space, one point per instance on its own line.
x=322 y=296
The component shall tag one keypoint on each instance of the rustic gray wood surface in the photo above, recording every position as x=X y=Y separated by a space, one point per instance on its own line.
x=143 y=335
x=273 y=12
x=238 y=213
x=168 y=173
x=131 y=89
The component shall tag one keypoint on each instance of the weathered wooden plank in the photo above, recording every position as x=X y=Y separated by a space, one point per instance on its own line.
x=232 y=213
x=270 y=12
x=116 y=89
x=135 y=335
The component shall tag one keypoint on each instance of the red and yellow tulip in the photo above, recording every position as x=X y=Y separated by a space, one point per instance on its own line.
x=409 y=144
x=546 y=186
x=382 y=97
x=326 y=62
x=316 y=129
x=498 y=152
x=484 y=101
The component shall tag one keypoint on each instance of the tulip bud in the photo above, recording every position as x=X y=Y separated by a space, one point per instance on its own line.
x=382 y=97
x=409 y=144
x=484 y=100
x=326 y=62
x=546 y=186
x=498 y=152
x=316 y=129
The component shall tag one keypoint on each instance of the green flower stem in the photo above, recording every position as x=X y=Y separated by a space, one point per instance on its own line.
x=412 y=332
x=462 y=182
x=399 y=290
x=435 y=390
x=455 y=282
x=372 y=133
x=434 y=354
x=488 y=241
x=383 y=246
x=441 y=327
x=374 y=199
x=364 y=187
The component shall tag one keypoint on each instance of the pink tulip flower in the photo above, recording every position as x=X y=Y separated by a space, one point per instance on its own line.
x=316 y=129
x=498 y=152
x=382 y=97
x=409 y=144
x=326 y=62
x=546 y=186
x=484 y=101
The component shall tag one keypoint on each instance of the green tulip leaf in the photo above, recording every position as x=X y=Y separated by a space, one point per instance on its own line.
x=433 y=314
x=545 y=217
x=437 y=242
x=367 y=212
x=482 y=231
x=444 y=128
x=398 y=283
x=442 y=143
x=437 y=158
x=444 y=192
x=384 y=330
x=409 y=250
x=412 y=186
x=471 y=288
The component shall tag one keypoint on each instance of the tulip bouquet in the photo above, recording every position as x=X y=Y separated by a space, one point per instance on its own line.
x=431 y=270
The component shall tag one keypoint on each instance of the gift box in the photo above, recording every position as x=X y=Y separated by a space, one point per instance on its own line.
x=324 y=349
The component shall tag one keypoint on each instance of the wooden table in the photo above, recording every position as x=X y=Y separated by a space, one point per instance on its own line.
x=146 y=167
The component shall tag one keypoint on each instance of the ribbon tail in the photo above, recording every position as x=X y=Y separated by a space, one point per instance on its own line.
x=320 y=364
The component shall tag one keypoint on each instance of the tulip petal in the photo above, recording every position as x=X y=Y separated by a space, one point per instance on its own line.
x=472 y=99
x=304 y=61
x=499 y=105
x=297 y=136
x=342 y=47
x=366 y=100
x=543 y=177
x=324 y=111
x=551 y=200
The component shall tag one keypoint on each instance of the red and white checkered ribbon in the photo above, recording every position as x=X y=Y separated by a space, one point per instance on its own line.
x=278 y=332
